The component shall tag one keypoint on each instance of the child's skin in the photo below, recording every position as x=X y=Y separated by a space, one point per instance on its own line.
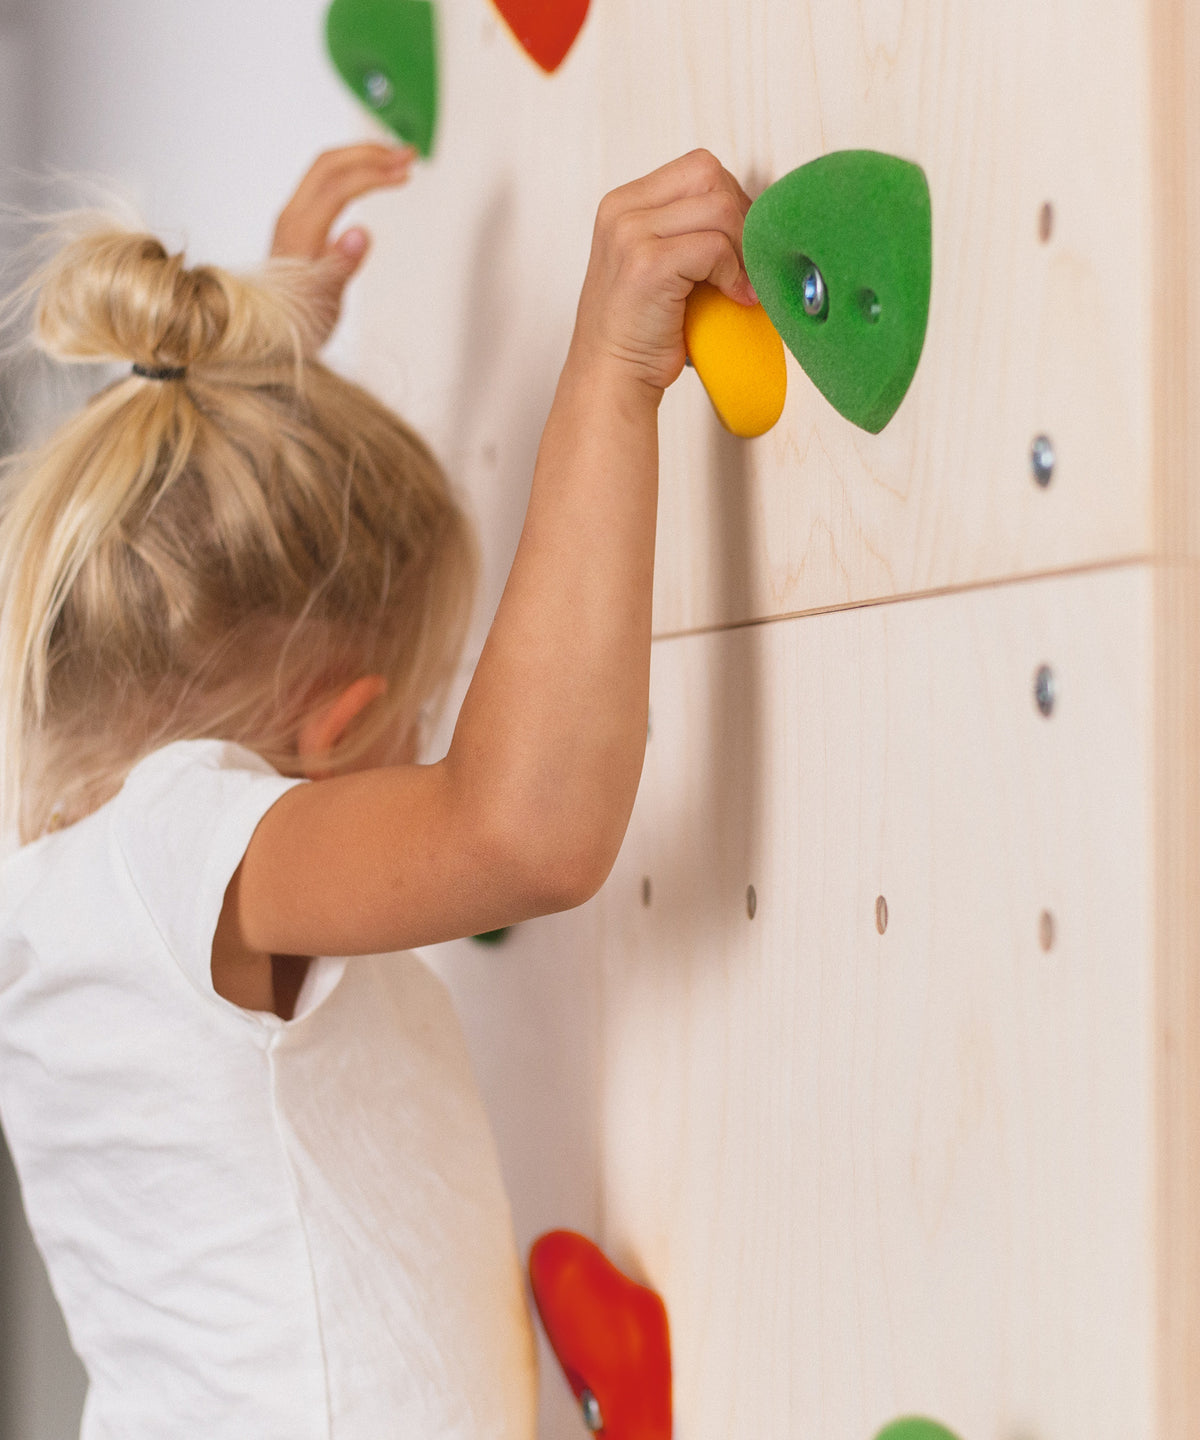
x=527 y=811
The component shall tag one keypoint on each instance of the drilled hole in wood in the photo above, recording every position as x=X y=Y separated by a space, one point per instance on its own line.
x=647 y=890
x=1046 y=930
x=1046 y=222
x=751 y=901
x=881 y=915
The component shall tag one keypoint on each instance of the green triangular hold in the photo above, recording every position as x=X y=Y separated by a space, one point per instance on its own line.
x=492 y=937
x=915 y=1428
x=856 y=229
x=386 y=51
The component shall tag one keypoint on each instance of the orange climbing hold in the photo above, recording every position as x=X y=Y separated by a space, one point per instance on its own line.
x=610 y=1335
x=546 y=29
x=739 y=356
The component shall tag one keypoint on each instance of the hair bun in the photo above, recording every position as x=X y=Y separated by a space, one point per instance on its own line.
x=110 y=294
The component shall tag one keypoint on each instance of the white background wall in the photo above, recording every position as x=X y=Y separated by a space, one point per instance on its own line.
x=206 y=116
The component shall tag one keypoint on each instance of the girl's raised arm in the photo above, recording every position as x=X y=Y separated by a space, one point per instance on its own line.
x=527 y=811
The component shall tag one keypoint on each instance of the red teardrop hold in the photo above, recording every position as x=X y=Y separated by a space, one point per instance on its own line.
x=546 y=29
x=609 y=1333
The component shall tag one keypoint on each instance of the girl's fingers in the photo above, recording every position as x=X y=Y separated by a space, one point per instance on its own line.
x=718 y=210
x=303 y=227
x=697 y=173
x=710 y=255
x=335 y=179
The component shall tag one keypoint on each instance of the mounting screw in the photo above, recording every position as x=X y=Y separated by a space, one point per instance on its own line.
x=379 y=88
x=813 y=295
x=590 y=1406
x=1041 y=460
x=1045 y=690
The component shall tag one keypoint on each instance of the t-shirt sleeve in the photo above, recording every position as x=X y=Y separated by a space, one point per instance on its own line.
x=181 y=825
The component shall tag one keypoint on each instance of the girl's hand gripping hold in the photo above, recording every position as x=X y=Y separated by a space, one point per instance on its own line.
x=654 y=240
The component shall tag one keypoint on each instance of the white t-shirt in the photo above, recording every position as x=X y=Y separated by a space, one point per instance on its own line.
x=257 y=1229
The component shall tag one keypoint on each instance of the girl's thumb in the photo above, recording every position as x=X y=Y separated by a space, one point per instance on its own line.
x=352 y=246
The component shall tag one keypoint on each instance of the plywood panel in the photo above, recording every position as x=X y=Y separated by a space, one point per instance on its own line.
x=911 y=1171
x=1007 y=107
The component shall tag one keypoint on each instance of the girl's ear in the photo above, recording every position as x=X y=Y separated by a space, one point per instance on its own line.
x=326 y=726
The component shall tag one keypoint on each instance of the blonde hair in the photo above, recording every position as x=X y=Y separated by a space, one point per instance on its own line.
x=211 y=556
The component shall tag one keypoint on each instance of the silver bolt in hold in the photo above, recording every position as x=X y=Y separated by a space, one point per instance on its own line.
x=813 y=295
x=592 y=1417
x=379 y=88
x=1041 y=459
x=1045 y=690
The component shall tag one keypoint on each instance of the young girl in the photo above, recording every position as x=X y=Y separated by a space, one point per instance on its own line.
x=263 y=1183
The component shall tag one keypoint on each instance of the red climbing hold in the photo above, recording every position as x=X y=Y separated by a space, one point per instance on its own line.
x=546 y=29
x=610 y=1336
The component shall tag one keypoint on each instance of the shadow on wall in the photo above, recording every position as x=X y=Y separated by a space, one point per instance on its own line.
x=735 y=699
x=725 y=794
x=704 y=850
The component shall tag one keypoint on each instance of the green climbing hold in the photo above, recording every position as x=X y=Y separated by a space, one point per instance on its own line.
x=386 y=51
x=915 y=1428
x=492 y=937
x=840 y=252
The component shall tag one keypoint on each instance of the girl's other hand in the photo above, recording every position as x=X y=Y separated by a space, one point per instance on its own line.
x=305 y=226
x=654 y=240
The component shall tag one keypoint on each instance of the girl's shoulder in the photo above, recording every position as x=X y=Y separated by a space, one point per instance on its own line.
x=181 y=798
x=153 y=862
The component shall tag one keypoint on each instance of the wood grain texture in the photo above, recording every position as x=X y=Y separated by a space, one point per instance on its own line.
x=877 y=1174
x=1176 y=169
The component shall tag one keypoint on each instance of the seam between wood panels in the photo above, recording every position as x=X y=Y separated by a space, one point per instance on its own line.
x=1126 y=562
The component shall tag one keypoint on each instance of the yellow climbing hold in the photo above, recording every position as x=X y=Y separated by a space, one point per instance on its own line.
x=738 y=355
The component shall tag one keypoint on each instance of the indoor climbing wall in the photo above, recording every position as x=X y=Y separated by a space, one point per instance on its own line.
x=888 y=1010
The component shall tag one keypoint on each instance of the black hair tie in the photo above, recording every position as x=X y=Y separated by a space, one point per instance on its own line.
x=160 y=372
